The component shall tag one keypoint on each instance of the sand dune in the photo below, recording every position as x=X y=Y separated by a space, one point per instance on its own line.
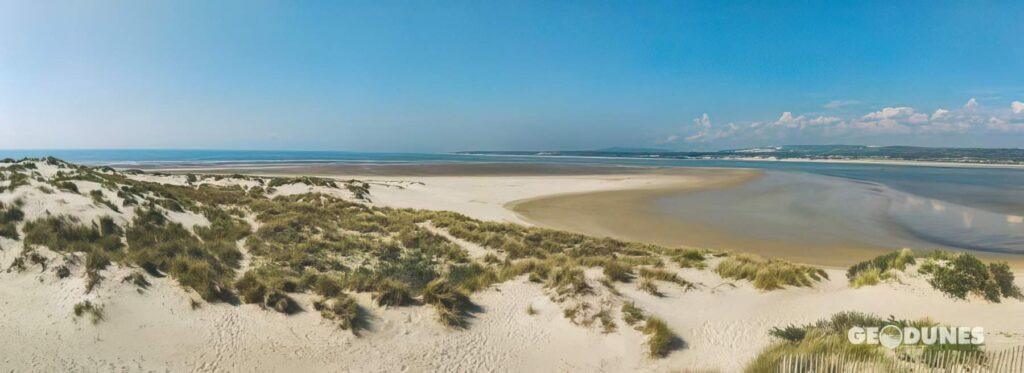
x=157 y=329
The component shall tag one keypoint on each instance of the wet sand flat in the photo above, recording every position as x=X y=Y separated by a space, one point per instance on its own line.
x=800 y=224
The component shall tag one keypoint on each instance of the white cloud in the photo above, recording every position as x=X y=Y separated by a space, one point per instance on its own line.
x=787 y=120
x=971 y=119
x=823 y=120
x=918 y=118
x=890 y=112
x=703 y=125
x=835 y=104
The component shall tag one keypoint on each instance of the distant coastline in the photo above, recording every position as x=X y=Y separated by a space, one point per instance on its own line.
x=889 y=155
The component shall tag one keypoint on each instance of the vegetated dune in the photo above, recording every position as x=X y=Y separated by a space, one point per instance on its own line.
x=192 y=272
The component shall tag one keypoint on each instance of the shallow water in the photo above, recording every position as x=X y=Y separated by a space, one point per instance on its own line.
x=806 y=209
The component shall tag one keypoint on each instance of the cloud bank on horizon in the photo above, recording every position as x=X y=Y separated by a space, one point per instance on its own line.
x=887 y=126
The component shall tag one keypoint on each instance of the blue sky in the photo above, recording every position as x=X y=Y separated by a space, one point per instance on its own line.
x=445 y=76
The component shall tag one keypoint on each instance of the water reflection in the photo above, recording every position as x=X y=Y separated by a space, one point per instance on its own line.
x=805 y=209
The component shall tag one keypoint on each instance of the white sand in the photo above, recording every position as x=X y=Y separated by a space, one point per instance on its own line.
x=485 y=197
x=723 y=327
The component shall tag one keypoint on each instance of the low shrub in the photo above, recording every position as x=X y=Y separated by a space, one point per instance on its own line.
x=965 y=274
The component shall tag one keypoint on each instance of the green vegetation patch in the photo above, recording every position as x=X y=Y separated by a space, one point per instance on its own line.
x=10 y=215
x=828 y=339
x=955 y=274
x=769 y=274
x=881 y=268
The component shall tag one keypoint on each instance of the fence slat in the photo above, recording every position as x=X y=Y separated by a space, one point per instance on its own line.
x=953 y=361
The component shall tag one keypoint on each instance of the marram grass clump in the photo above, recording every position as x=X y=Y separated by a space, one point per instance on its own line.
x=660 y=339
x=663 y=275
x=769 y=274
x=341 y=309
x=827 y=339
x=881 y=268
x=451 y=303
x=94 y=311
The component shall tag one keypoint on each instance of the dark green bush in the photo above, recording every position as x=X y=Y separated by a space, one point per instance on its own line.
x=965 y=274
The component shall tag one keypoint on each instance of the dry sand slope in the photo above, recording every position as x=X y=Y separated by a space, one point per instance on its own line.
x=157 y=329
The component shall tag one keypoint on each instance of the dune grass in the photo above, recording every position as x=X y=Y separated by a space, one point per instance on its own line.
x=390 y=292
x=660 y=339
x=161 y=246
x=649 y=287
x=691 y=258
x=530 y=310
x=617 y=272
x=632 y=314
x=138 y=279
x=828 y=337
x=568 y=281
x=769 y=274
x=663 y=275
x=341 y=309
x=881 y=268
x=452 y=304
x=10 y=216
x=94 y=311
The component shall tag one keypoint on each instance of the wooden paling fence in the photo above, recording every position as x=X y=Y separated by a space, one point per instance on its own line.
x=1009 y=360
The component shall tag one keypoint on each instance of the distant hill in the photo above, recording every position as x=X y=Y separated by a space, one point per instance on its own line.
x=813 y=152
x=632 y=150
